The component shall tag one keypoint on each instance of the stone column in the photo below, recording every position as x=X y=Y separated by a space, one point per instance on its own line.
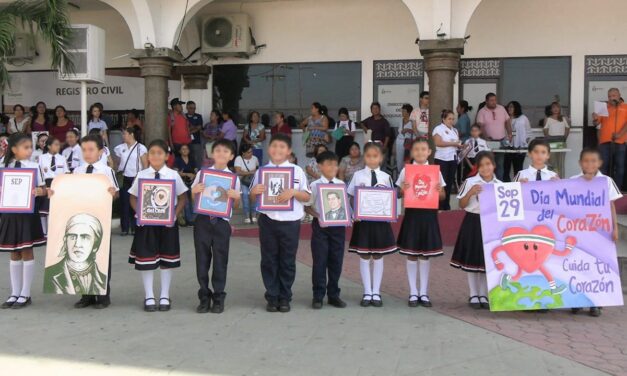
x=196 y=87
x=156 y=69
x=441 y=62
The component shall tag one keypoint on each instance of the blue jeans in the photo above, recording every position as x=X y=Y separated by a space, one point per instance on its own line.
x=615 y=156
x=188 y=210
x=248 y=208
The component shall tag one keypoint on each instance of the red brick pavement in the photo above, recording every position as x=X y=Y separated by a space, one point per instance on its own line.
x=600 y=343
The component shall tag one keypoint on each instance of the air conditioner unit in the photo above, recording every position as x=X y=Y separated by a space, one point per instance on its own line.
x=23 y=48
x=227 y=35
x=87 y=50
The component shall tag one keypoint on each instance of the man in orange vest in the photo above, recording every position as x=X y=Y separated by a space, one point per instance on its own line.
x=612 y=135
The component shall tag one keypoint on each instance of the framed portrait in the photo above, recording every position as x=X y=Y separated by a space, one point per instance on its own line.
x=17 y=186
x=276 y=180
x=79 y=235
x=332 y=205
x=155 y=202
x=422 y=192
x=375 y=204
x=35 y=136
x=213 y=200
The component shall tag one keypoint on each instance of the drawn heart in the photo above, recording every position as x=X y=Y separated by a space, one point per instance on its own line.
x=528 y=249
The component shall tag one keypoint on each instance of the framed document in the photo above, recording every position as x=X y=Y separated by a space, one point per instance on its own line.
x=213 y=200
x=332 y=205
x=375 y=204
x=17 y=190
x=276 y=180
x=422 y=192
x=155 y=203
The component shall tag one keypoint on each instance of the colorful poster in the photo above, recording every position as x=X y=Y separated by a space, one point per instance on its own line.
x=422 y=192
x=77 y=252
x=549 y=245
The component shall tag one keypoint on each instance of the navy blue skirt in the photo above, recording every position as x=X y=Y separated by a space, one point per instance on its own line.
x=420 y=233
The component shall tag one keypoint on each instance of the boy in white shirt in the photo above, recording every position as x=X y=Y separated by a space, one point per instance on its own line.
x=539 y=153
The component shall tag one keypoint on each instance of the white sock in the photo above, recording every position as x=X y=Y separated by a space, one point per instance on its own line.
x=424 y=276
x=482 y=282
x=472 y=284
x=412 y=274
x=44 y=225
x=16 y=270
x=166 y=280
x=27 y=279
x=148 y=277
x=377 y=276
x=364 y=269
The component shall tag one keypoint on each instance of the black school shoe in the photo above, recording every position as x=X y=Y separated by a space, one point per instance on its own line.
x=336 y=302
x=377 y=302
x=9 y=304
x=102 y=302
x=595 y=311
x=284 y=306
x=316 y=303
x=366 y=302
x=18 y=305
x=426 y=302
x=86 y=301
x=150 y=307
x=272 y=307
x=204 y=306
x=218 y=306
x=165 y=307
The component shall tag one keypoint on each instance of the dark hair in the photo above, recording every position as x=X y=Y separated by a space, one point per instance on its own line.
x=326 y=156
x=423 y=94
x=295 y=158
x=489 y=95
x=39 y=137
x=343 y=111
x=91 y=108
x=334 y=193
x=134 y=112
x=408 y=107
x=318 y=107
x=560 y=117
x=483 y=155
x=95 y=139
x=34 y=113
x=218 y=114
x=74 y=131
x=135 y=131
x=517 y=108
x=464 y=105
x=244 y=148
x=49 y=142
x=317 y=148
x=354 y=144
x=538 y=142
x=280 y=137
x=325 y=110
x=227 y=113
x=589 y=150
x=375 y=104
x=373 y=145
x=250 y=116
x=475 y=125
x=14 y=140
x=281 y=115
x=94 y=131
x=224 y=143
x=19 y=106
x=190 y=102
x=159 y=144
x=420 y=140
x=480 y=106
x=446 y=113
x=55 y=119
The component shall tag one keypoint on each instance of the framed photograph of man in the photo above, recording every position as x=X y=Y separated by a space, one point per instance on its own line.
x=17 y=190
x=375 y=204
x=276 y=180
x=79 y=235
x=155 y=202
x=332 y=205
x=213 y=200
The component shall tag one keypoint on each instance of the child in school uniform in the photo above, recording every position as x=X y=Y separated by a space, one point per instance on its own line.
x=105 y=156
x=51 y=164
x=477 y=144
x=419 y=238
x=468 y=251
x=157 y=246
x=21 y=232
x=72 y=153
x=539 y=152
x=327 y=243
x=212 y=235
x=590 y=162
x=40 y=147
x=279 y=231
x=371 y=240
x=91 y=150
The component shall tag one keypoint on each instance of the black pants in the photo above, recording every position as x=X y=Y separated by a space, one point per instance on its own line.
x=512 y=160
x=327 y=251
x=448 y=169
x=127 y=217
x=212 y=237
x=108 y=294
x=343 y=145
x=279 y=243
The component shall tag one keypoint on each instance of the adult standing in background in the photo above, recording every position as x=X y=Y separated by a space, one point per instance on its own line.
x=60 y=124
x=280 y=126
x=210 y=134
x=228 y=131
x=496 y=127
x=133 y=120
x=556 y=124
x=447 y=143
x=345 y=128
x=195 y=128
x=420 y=115
x=96 y=122
x=40 y=122
x=521 y=128
x=178 y=125
x=612 y=134
x=351 y=163
x=463 y=120
x=254 y=135
x=406 y=134
x=20 y=122
x=315 y=127
x=379 y=126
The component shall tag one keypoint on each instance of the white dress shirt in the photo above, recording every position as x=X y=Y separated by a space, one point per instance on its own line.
x=363 y=178
x=612 y=190
x=130 y=158
x=60 y=164
x=478 y=145
x=238 y=186
x=77 y=156
x=101 y=169
x=446 y=153
x=165 y=173
x=401 y=176
x=530 y=174
x=473 y=203
x=522 y=132
x=300 y=184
